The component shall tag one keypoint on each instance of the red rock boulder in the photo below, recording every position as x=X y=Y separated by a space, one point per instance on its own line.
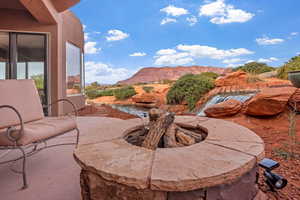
x=235 y=78
x=226 y=108
x=270 y=101
x=295 y=100
x=144 y=98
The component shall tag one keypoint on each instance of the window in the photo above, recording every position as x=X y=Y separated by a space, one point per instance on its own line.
x=4 y=54
x=74 y=69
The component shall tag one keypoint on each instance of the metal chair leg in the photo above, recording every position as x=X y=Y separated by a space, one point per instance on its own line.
x=25 y=185
x=77 y=138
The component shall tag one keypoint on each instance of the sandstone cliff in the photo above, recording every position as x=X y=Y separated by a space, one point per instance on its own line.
x=155 y=74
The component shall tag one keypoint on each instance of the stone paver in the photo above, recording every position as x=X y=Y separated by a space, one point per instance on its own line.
x=251 y=148
x=105 y=129
x=118 y=161
x=222 y=130
x=198 y=166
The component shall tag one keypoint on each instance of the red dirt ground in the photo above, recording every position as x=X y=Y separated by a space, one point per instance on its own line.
x=274 y=132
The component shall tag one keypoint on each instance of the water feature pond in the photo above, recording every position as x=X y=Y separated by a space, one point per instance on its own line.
x=221 y=98
x=133 y=110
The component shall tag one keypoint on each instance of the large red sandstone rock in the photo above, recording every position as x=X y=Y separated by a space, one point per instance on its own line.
x=295 y=100
x=155 y=74
x=144 y=98
x=235 y=78
x=270 y=101
x=226 y=108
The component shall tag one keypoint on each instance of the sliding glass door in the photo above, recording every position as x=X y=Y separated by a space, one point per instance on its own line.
x=23 y=56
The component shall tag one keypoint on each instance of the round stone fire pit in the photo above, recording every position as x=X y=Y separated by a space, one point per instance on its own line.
x=222 y=166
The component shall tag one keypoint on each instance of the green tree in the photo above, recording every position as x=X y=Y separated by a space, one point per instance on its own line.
x=124 y=92
x=148 y=89
x=189 y=88
x=292 y=65
x=212 y=75
x=255 y=68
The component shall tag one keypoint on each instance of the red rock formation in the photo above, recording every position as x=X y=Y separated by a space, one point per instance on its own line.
x=226 y=108
x=270 y=101
x=144 y=98
x=235 y=78
x=155 y=74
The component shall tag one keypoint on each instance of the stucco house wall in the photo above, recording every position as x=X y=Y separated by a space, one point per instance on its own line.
x=65 y=27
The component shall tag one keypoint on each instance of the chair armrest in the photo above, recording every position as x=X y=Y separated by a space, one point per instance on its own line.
x=68 y=101
x=11 y=130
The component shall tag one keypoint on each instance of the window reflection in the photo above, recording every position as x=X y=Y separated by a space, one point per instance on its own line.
x=73 y=62
x=31 y=60
x=4 y=54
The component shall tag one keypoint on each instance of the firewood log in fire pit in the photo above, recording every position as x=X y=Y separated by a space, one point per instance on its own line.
x=163 y=132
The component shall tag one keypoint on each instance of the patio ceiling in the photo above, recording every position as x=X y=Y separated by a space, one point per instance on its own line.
x=62 y=5
x=12 y=4
x=44 y=11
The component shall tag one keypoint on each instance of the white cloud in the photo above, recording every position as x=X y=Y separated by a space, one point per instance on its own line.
x=174 y=11
x=138 y=54
x=174 y=59
x=233 y=65
x=166 y=52
x=86 y=36
x=192 y=20
x=84 y=26
x=90 y=48
x=222 y=13
x=269 y=41
x=212 y=52
x=115 y=35
x=212 y=9
x=186 y=54
x=267 y=60
x=294 y=33
x=168 y=20
x=103 y=73
x=232 y=60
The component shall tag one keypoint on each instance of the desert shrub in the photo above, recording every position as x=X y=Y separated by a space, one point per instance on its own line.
x=166 y=81
x=141 y=83
x=254 y=68
x=93 y=93
x=189 y=88
x=106 y=93
x=148 y=89
x=212 y=75
x=116 y=85
x=292 y=65
x=124 y=92
x=253 y=78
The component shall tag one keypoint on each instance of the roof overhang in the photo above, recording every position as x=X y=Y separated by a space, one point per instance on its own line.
x=46 y=11
x=42 y=10
x=62 y=5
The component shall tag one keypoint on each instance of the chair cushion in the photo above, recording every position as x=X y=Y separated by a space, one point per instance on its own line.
x=41 y=130
x=23 y=95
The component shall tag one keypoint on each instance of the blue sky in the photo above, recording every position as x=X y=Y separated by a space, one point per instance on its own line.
x=123 y=36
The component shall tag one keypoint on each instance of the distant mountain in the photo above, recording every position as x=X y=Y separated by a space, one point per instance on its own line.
x=155 y=74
